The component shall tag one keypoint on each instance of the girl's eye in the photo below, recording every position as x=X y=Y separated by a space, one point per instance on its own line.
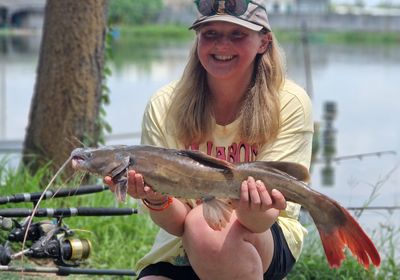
x=236 y=35
x=210 y=34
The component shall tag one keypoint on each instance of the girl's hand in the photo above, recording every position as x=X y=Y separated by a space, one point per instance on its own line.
x=254 y=196
x=136 y=187
x=257 y=209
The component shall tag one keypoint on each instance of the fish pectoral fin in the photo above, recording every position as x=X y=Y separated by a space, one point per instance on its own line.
x=217 y=212
x=121 y=189
x=123 y=166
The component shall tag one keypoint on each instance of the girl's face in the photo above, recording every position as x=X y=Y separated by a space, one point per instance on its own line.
x=227 y=50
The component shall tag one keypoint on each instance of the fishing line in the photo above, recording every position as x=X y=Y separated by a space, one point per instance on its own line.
x=69 y=179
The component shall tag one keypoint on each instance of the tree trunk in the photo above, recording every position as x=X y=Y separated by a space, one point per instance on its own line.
x=65 y=105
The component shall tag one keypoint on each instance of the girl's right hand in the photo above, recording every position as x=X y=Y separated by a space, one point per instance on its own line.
x=136 y=187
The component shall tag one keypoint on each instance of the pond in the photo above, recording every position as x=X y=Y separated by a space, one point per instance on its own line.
x=359 y=80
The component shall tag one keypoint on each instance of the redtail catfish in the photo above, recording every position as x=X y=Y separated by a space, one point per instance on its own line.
x=194 y=175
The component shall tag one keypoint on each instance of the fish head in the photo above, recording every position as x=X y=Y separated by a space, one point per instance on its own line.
x=104 y=161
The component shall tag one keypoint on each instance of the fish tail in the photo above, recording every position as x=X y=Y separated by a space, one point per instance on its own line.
x=346 y=233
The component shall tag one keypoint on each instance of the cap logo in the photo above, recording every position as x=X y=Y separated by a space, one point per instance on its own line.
x=221 y=7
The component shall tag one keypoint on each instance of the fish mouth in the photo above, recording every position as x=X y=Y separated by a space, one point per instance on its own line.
x=77 y=162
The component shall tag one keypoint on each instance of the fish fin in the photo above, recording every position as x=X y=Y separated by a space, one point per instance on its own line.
x=296 y=170
x=123 y=166
x=208 y=160
x=217 y=212
x=121 y=188
x=346 y=233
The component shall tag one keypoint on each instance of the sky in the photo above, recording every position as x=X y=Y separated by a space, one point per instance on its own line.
x=367 y=2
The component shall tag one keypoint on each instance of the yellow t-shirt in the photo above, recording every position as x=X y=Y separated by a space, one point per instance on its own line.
x=294 y=143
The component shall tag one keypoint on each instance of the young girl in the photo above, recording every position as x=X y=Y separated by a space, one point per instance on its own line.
x=232 y=102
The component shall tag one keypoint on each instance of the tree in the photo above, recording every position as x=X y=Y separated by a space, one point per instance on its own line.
x=66 y=101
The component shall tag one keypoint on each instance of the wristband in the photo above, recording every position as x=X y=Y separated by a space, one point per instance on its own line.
x=158 y=206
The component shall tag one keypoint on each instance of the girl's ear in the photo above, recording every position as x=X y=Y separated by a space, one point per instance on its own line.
x=266 y=40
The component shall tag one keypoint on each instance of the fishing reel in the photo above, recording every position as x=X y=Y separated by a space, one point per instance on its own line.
x=52 y=239
x=61 y=247
x=49 y=240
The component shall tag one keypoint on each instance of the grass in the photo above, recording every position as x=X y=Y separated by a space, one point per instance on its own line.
x=118 y=242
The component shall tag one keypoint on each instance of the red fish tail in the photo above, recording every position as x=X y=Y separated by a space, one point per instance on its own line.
x=346 y=233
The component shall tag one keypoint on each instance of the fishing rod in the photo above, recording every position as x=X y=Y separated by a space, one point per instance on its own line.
x=64 y=192
x=65 y=271
x=361 y=156
x=66 y=212
x=357 y=156
x=388 y=208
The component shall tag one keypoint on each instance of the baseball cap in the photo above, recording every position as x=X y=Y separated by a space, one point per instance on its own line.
x=251 y=14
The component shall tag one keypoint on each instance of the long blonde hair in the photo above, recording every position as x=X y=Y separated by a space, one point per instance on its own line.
x=190 y=109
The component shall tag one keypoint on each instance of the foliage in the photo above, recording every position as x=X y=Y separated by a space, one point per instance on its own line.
x=134 y=12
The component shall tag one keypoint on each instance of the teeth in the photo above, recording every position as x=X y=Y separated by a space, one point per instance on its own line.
x=223 y=57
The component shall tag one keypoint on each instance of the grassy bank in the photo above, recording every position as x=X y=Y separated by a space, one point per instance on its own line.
x=180 y=32
x=118 y=242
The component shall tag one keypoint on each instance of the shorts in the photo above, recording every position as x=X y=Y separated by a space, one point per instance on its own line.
x=281 y=264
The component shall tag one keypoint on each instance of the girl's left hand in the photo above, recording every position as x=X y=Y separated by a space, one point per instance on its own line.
x=257 y=209
x=254 y=196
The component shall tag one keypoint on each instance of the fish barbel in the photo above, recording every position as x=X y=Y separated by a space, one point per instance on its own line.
x=195 y=175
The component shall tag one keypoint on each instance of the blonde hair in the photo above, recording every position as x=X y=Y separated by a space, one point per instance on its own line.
x=190 y=109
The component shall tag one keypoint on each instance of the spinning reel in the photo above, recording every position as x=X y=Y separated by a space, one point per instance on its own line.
x=52 y=239
x=49 y=240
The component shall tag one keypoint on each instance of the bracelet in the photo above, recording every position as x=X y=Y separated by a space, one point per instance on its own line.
x=158 y=206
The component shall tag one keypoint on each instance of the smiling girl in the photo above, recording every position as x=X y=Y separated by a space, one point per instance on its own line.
x=232 y=102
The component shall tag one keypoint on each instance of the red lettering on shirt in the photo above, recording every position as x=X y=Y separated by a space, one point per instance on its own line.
x=220 y=153
x=233 y=155
x=242 y=152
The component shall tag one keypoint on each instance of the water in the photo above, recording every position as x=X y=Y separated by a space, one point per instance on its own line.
x=360 y=79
